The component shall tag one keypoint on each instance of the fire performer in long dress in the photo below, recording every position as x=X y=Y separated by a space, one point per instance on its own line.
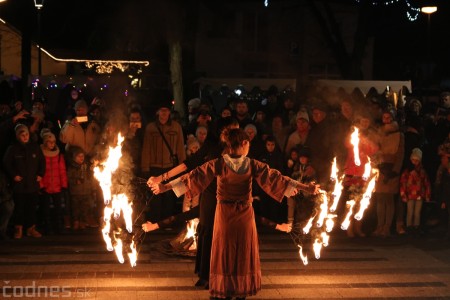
x=235 y=264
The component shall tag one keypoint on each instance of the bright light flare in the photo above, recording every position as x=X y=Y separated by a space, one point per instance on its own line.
x=354 y=140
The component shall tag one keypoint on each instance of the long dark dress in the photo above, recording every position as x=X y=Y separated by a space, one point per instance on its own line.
x=235 y=264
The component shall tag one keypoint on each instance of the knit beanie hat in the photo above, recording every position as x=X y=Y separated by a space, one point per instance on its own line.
x=47 y=135
x=303 y=115
x=76 y=150
x=20 y=128
x=195 y=103
x=416 y=153
x=79 y=104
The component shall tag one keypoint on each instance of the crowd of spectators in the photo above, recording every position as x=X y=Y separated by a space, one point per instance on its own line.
x=47 y=184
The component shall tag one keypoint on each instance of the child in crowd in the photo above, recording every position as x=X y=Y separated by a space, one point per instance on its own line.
x=292 y=165
x=301 y=205
x=80 y=188
x=54 y=180
x=414 y=189
x=25 y=165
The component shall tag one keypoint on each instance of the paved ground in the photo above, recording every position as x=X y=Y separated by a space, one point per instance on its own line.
x=78 y=266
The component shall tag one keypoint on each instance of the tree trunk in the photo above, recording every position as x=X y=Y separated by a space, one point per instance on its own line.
x=177 y=76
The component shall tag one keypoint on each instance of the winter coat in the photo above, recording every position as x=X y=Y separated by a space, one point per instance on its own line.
x=80 y=179
x=415 y=185
x=27 y=161
x=55 y=177
x=392 y=150
x=75 y=135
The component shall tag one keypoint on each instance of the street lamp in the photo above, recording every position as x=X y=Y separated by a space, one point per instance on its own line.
x=428 y=10
x=39 y=4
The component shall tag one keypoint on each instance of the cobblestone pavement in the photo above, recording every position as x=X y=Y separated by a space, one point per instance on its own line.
x=77 y=265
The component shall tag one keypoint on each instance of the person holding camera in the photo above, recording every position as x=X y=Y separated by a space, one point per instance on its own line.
x=81 y=131
x=162 y=149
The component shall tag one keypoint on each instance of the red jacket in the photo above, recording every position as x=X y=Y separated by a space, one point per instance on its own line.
x=55 y=177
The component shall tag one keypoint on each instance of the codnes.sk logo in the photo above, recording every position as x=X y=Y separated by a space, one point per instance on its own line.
x=10 y=290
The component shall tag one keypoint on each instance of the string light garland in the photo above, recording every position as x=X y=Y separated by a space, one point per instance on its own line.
x=106 y=67
x=412 y=13
x=102 y=66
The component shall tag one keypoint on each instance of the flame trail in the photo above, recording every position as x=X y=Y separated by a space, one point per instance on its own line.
x=191 y=227
x=337 y=192
x=323 y=208
x=308 y=226
x=317 y=246
x=367 y=170
x=365 y=201
x=116 y=206
x=303 y=257
x=355 y=142
x=329 y=223
x=346 y=221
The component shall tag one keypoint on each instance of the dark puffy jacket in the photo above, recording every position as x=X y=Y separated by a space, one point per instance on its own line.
x=27 y=161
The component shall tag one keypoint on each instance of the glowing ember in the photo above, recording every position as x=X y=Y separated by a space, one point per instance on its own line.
x=346 y=221
x=303 y=257
x=355 y=142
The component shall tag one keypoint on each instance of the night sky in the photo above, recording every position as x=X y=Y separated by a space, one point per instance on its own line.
x=400 y=45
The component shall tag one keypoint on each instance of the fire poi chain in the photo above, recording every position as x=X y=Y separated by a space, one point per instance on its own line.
x=322 y=222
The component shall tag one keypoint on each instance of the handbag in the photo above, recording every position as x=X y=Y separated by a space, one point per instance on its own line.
x=173 y=156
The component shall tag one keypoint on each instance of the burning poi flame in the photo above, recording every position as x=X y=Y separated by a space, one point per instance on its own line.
x=336 y=194
x=367 y=170
x=346 y=221
x=115 y=205
x=303 y=257
x=324 y=214
x=191 y=228
x=354 y=140
x=323 y=208
x=365 y=201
